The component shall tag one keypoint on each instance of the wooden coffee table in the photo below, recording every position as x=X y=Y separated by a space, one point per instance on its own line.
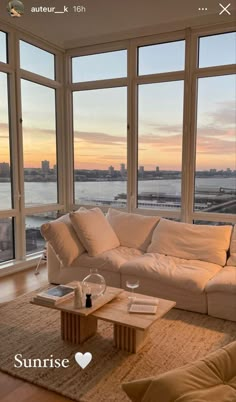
x=130 y=329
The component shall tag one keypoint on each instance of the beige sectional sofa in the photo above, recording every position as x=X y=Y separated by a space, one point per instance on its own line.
x=195 y=265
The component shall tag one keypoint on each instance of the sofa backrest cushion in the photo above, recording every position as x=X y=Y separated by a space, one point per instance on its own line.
x=63 y=239
x=232 y=249
x=132 y=230
x=94 y=231
x=192 y=242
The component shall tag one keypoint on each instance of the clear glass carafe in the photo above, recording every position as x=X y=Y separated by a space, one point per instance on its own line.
x=94 y=284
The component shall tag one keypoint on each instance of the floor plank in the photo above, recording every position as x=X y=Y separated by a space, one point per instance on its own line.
x=13 y=389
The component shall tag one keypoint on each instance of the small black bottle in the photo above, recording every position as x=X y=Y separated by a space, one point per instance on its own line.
x=88 y=302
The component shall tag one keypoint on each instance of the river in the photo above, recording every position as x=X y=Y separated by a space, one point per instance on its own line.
x=37 y=193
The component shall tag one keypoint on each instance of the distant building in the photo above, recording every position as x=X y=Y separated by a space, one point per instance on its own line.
x=4 y=169
x=45 y=166
x=141 y=169
x=111 y=170
x=157 y=169
x=122 y=169
x=55 y=169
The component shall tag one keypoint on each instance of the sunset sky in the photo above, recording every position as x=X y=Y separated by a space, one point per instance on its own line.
x=100 y=116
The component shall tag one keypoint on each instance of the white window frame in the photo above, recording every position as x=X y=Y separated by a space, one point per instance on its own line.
x=19 y=212
x=190 y=75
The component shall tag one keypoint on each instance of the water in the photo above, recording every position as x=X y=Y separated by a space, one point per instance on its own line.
x=45 y=193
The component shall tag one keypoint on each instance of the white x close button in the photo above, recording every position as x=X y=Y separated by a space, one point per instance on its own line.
x=225 y=9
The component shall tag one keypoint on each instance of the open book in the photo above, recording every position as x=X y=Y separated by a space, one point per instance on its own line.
x=143 y=305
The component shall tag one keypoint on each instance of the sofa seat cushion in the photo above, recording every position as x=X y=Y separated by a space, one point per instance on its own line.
x=110 y=260
x=132 y=230
x=211 y=379
x=223 y=281
x=191 y=275
x=193 y=242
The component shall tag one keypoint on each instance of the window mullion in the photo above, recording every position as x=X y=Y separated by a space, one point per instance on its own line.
x=188 y=149
x=20 y=219
x=132 y=132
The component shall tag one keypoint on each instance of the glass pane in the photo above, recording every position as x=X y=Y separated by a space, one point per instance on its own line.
x=6 y=239
x=217 y=50
x=34 y=240
x=161 y=58
x=160 y=145
x=3 y=47
x=99 y=66
x=100 y=146
x=5 y=162
x=39 y=143
x=198 y=222
x=36 y=60
x=215 y=177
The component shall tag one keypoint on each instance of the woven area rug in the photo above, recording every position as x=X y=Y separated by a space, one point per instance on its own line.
x=178 y=338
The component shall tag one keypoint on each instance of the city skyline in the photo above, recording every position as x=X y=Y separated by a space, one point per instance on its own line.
x=46 y=170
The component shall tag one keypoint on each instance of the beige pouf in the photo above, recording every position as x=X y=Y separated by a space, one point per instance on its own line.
x=212 y=378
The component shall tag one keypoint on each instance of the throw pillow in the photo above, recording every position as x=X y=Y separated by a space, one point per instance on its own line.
x=132 y=230
x=63 y=239
x=94 y=231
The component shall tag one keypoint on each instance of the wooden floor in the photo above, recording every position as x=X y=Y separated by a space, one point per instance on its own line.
x=11 y=388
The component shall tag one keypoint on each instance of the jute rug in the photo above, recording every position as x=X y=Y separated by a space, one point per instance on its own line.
x=34 y=332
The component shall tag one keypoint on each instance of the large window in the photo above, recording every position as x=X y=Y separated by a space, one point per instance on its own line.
x=29 y=114
x=160 y=145
x=160 y=125
x=215 y=173
x=100 y=128
x=215 y=182
x=39 y=140
x=100 y=156
x=5 y=159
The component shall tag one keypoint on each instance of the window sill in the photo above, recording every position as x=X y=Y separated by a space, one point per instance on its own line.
x=11 y=267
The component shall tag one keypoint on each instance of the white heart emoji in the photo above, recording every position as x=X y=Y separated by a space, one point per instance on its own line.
x=83 y=359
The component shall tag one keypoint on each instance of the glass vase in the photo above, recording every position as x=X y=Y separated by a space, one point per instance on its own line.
x=94 y=284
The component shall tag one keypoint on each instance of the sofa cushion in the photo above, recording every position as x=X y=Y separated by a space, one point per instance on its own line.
x=192 y=242
x=191 y=275
x=223 y=281
x=110 y=260
x=94 y=231
x=212 y=378
x=232 y=249
x=132 y=230
x=63 y=239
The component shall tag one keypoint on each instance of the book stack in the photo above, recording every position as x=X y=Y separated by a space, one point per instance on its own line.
x=55 y=295
x=143 y=305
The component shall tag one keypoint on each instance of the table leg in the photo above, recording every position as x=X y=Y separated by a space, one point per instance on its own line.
x=128 y=339
x=75 y=328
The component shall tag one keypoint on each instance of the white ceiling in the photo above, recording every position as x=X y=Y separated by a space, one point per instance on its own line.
x=106 y=20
